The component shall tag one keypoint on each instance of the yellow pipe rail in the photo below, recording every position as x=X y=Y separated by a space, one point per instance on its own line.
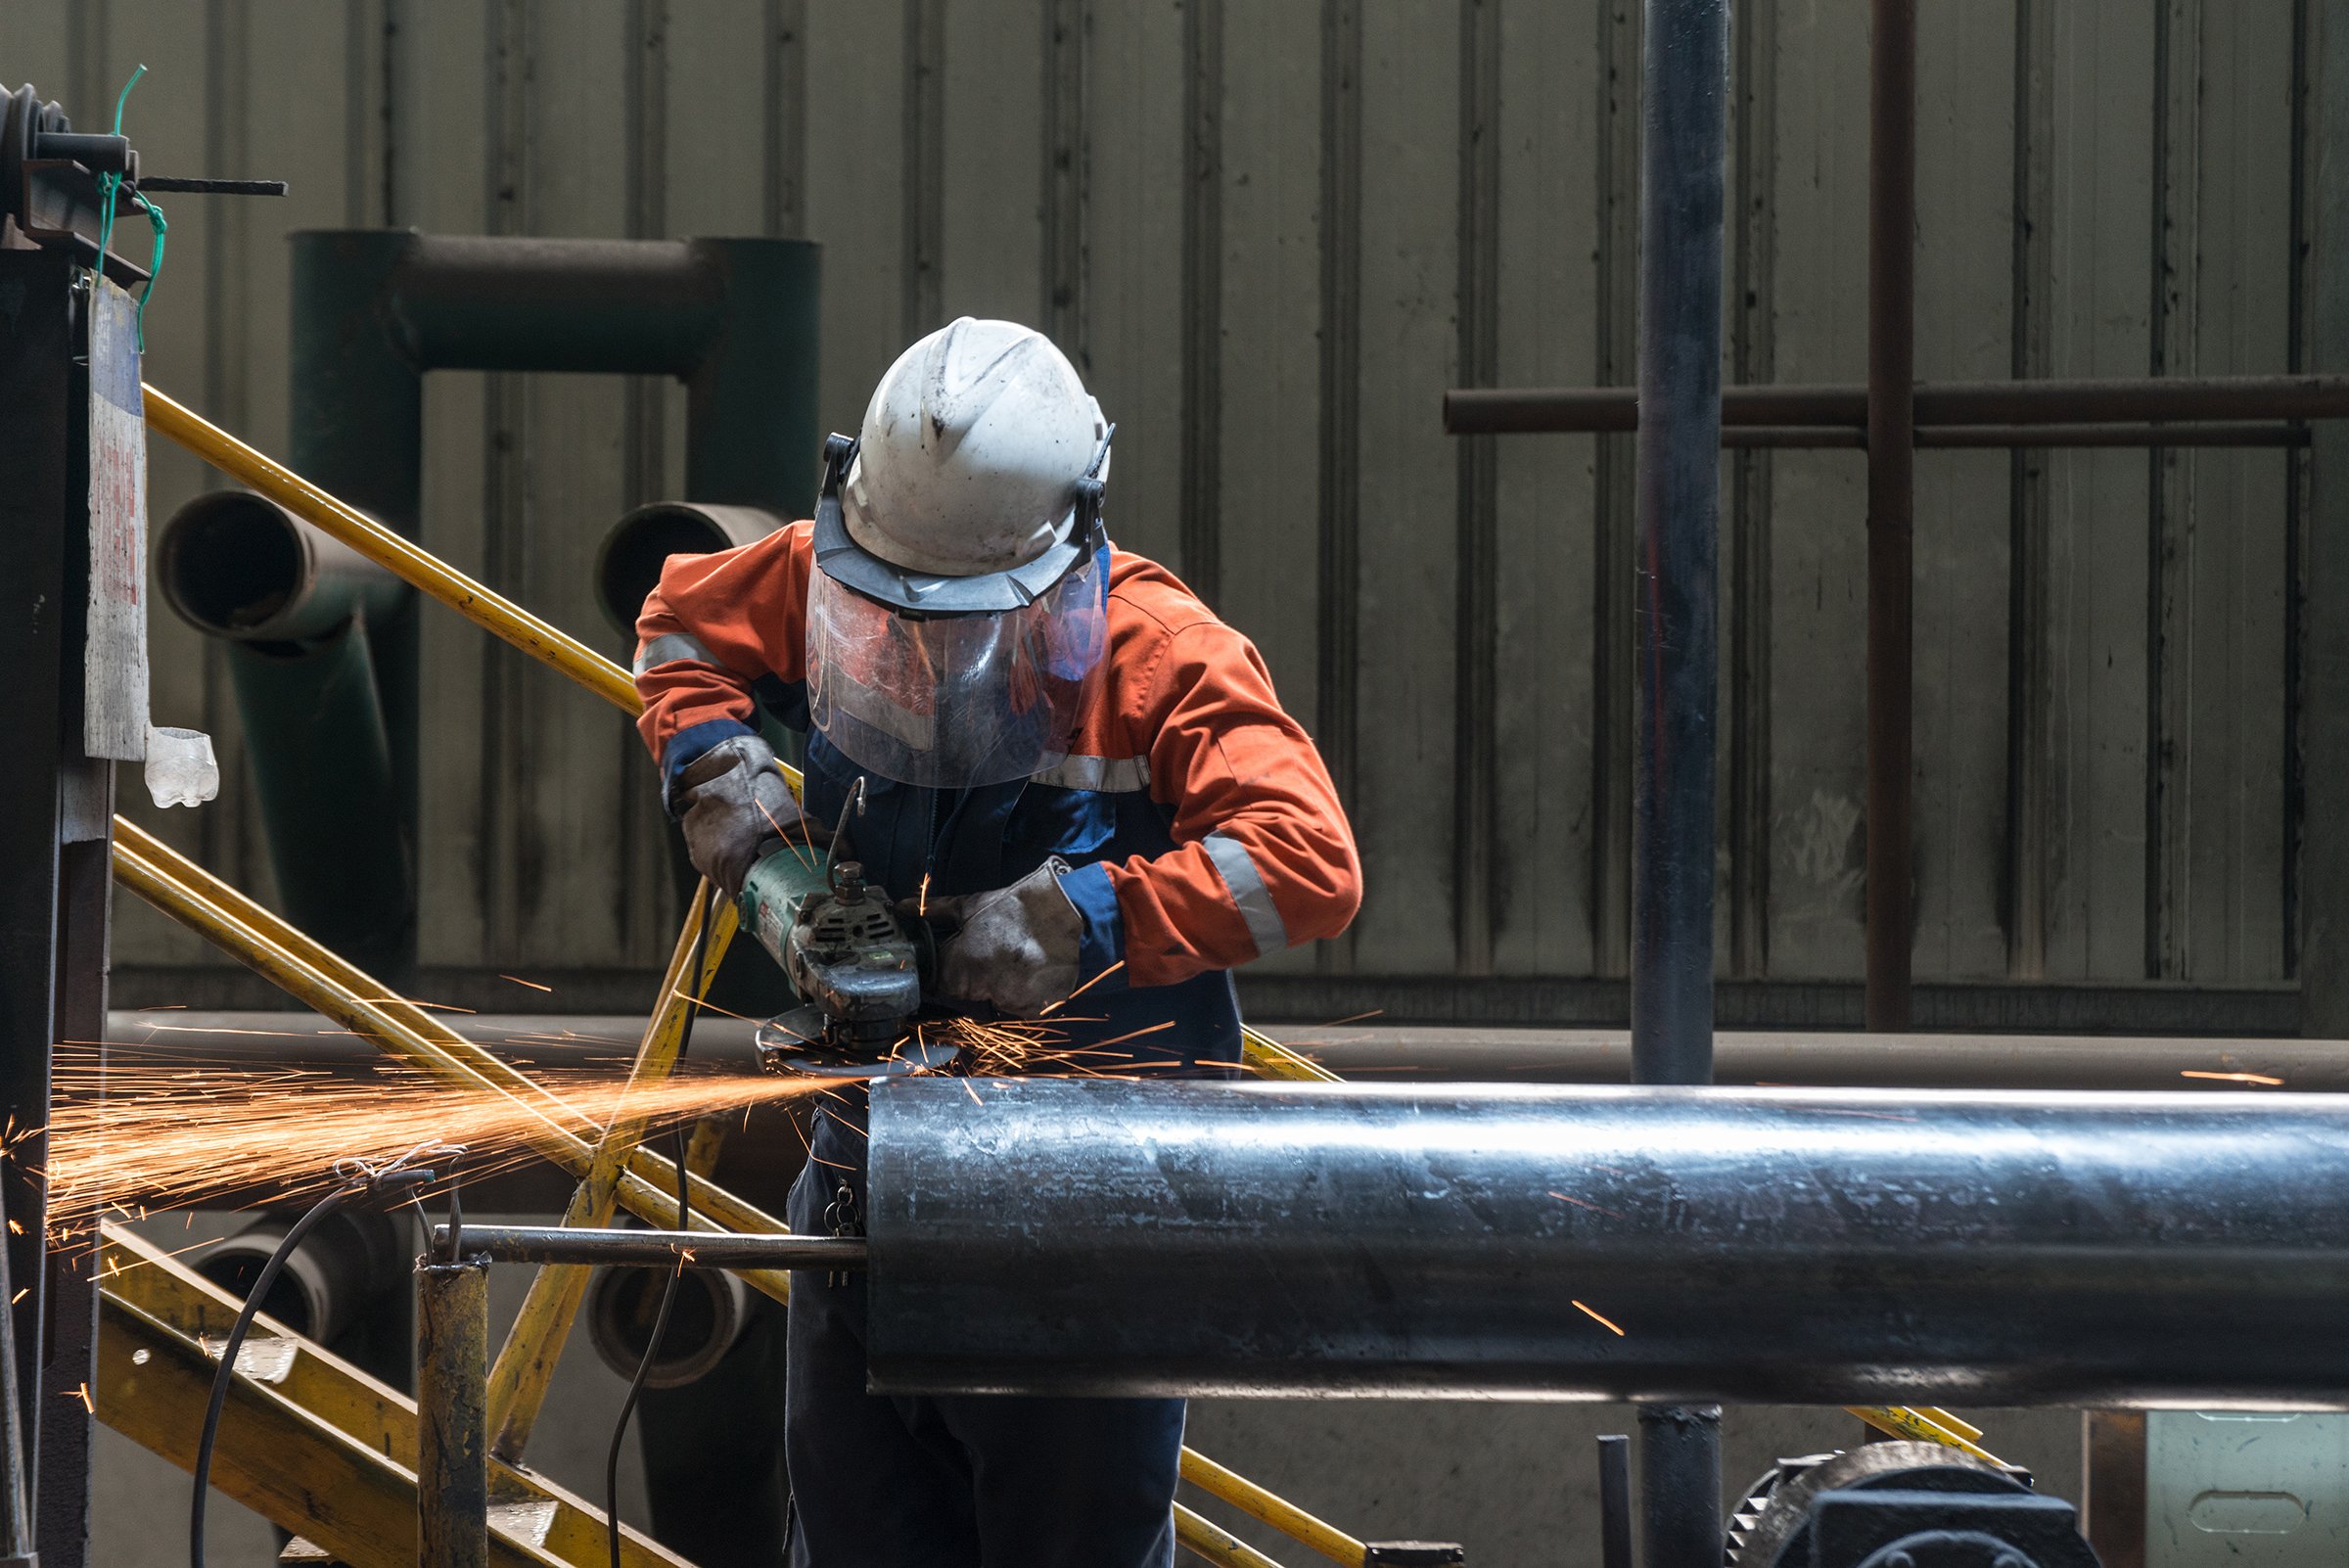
x=526 y=1362
x=508 y=621
x=1218 y=1546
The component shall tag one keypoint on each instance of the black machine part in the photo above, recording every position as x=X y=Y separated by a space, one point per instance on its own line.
x=50 y=180
x=1901 y=1506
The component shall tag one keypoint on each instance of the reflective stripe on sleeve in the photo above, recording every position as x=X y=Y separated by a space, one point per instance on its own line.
x=1110 y=775
x=1248 y=891
x=671 y=648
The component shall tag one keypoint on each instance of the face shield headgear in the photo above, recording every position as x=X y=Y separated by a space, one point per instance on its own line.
x=952 y=682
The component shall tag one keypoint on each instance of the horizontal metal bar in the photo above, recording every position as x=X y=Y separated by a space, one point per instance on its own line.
x=1379 y=1049
x=1678 y=1245
x=1520 y=410
x=1852 y=438
x=653 y=1249
x=510 y=302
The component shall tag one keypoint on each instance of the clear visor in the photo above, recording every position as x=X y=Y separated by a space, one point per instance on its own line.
x=957 y=701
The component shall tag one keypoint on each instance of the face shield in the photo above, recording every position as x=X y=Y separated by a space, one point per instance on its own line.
x=953 y=682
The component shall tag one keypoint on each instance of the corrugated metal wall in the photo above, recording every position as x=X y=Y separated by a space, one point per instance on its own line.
x=1271 y=234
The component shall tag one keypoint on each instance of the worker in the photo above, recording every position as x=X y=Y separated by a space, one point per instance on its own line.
x=1075 y=771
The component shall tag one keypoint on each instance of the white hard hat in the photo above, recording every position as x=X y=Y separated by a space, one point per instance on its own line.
x=970 y=452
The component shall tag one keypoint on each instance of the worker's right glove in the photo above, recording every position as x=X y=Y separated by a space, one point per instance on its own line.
x=735 y=800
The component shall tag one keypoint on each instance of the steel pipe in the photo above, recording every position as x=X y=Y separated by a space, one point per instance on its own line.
x=660 y=1249
x=1765 y=1246
x=237 y=564
x=627 y=564
x=1532 y=410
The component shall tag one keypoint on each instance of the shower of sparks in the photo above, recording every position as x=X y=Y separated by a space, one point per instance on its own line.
x=161 y=1129
x=2233 y=1077
x=1601 y=1319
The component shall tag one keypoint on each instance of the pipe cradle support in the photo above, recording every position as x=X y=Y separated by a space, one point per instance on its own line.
x=1672 y=1245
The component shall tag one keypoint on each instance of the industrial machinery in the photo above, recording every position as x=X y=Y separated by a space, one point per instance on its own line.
x=1901 y=1506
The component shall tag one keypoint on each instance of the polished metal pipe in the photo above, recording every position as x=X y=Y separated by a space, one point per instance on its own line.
x=1764 y=1246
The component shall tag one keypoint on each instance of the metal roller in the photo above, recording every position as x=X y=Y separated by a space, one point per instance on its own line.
x=1762 y=1246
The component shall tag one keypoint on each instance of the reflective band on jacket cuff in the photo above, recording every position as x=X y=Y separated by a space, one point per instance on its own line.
x=1109 y=775
x=671 y=647
x=1248 y=891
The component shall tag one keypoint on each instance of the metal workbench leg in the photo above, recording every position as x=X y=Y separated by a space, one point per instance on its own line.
x=453 y=1424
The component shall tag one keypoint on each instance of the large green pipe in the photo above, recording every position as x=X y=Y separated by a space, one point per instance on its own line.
x=294 y=608
x=735 y=319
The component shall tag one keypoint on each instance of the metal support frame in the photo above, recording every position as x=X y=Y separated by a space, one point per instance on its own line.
x=452 y=1429
x=55 y=803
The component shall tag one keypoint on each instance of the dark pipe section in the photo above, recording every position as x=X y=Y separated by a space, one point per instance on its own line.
x=627 y=565
x=708 y=1317
x=1615 y=1501
x=1682 y=145
x=342 y=1265
x=1891 y=504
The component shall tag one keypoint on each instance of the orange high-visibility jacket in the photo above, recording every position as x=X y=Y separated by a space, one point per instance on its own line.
x=1203 y=826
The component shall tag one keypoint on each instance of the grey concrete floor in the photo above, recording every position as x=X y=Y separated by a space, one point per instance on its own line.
x=1515 y=1483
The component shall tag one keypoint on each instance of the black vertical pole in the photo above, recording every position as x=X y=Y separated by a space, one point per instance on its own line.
x=1891 y=499
x=1678 y=515
x=1615 y=1501
x=1684 y=146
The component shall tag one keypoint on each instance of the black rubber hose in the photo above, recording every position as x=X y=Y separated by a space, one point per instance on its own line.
x=236 y=1337
x=669 y=1291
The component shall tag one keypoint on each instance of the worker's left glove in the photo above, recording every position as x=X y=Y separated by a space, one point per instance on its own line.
x=1015 y=947
x=736 y=799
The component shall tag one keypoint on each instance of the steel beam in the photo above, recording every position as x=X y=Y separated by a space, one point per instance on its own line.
x=1765 y=1246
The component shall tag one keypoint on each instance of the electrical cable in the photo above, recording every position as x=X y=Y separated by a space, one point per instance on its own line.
x=366 y=1181
x=668 y=1290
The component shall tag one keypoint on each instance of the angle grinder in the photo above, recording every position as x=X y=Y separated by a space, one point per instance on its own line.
x=857 y=965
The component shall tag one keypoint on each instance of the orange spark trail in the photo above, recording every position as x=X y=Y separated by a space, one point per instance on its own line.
x=1603 y=1322
x=2233 y=1077
x=165 y=1130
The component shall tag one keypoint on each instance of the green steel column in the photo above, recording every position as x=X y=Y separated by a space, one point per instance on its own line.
x=355 y=428
x=751 y=432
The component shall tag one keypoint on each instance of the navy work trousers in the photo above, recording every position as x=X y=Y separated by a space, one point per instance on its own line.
x=960 y=1482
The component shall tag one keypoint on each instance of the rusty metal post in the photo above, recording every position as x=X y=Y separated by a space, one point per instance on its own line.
x=452 y=1422
x=1891 y=501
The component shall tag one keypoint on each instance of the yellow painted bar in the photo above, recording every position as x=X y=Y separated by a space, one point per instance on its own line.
x=562 y=1136
x=1901 y=1421
x=1282 y=1515
x=495 y=614
x=145 y=1279
x=526 y=1362
x=1219 y=1547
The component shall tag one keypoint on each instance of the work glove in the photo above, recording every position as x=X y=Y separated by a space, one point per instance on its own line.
x=1015 y=947
x=735 y=801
